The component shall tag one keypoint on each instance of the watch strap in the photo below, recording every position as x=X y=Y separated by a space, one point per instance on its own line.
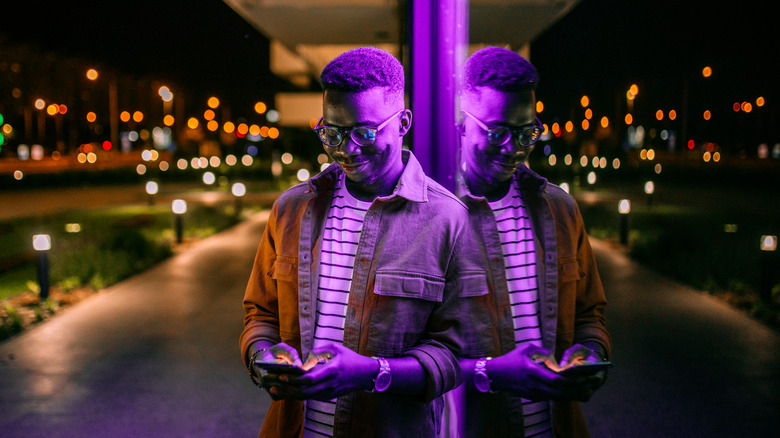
x=383 y=376
x=480 y=375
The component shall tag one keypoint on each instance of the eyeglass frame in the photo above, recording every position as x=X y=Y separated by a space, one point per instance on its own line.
x=344 y=131
x=513 y=130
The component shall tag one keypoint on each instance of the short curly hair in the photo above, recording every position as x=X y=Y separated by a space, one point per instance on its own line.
x=362 y=69
x=500 y=69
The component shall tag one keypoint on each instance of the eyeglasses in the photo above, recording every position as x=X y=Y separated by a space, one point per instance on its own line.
x=527 y=135
x=361 y=135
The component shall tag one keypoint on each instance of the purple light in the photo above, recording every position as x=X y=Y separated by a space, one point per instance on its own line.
x=439 y=37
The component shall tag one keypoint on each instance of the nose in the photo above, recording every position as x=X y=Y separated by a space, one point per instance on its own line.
x=512 y=148
x=347 y=149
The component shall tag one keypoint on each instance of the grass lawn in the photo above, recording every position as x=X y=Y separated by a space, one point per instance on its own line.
x=712 y=247
x=91 y=249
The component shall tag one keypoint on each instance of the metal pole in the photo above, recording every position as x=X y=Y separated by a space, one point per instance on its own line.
x=439 y=42
x=43 y=274
x=179 y=228
x=113 y=111
x=766 y=276
x=624 y=229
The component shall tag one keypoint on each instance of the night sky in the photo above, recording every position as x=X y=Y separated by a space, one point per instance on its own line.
x=599 y=49
x=603 y=46
x=201 y=43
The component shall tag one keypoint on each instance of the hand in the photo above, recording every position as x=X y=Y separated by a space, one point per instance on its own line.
x=273 y=383
x=582 y=388
x=521 y=372
x=345 y=372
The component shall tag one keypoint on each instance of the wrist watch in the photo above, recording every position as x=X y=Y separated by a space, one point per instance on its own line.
x=383 y=378
x=481 y=379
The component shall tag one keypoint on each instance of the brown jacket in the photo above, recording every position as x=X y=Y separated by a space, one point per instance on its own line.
x=571 y=300
x=403 y=296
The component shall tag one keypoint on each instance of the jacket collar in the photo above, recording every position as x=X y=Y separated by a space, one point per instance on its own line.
x=412 y=184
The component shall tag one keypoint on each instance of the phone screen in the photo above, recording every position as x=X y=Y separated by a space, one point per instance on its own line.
x=585 y=369
x=279 y=368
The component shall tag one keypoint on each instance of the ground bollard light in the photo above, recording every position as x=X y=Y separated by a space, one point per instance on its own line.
x=42 y=244
x=624 y=208
x=768 y=248
x=238 y=190
x=591 y=178
x=649 y=190
x=151 y=189
x=179 y=207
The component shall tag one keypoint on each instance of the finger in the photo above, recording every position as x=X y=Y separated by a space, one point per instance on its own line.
x=532 y=350
x=284 y=353
x=576 y=353
x=320 y=391
x=296 y=380
x=284 y=391
x=326 y=351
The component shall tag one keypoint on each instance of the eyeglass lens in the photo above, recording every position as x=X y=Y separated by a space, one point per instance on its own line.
x=334 y=137
x=526 y=136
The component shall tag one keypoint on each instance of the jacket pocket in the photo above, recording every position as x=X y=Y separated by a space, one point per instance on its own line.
x=568 y=269
x=284 y=269
x=403 y=302
x=474 y=311
x=472 y=284
x=409 y=285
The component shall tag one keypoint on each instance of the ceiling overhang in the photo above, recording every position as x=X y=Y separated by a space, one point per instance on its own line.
x=307 y=34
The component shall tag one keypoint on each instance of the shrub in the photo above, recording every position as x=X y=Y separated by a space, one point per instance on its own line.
x=121 y=254
x=12 y=323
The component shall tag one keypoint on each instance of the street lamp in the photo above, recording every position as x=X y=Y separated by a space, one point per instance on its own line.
x=768 y=247
x=624 y=208
x=179 y=207
x=42 y=244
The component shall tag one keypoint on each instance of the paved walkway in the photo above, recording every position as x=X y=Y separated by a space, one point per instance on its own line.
x=686 y=365
x=154 y=356
x=157 y=356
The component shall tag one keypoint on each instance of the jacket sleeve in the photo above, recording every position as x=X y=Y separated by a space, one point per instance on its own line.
x=261 y=307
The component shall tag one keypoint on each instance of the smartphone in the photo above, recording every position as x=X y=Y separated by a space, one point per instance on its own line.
x=585 y=369
x=279 y=368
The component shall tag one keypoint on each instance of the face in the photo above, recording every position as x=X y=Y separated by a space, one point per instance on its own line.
x=486 y=165
x=375 y=168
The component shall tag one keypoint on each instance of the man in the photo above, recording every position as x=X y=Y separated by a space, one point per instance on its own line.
x=547 y=302
x=357 y=267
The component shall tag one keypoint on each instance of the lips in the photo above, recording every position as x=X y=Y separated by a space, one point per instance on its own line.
x=351 y=167
x=508 y=165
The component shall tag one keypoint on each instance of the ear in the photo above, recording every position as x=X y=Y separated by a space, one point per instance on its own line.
x=406 y=122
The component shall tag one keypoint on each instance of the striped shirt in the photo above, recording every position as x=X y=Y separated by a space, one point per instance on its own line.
x=517 y=244
x=339 y=245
